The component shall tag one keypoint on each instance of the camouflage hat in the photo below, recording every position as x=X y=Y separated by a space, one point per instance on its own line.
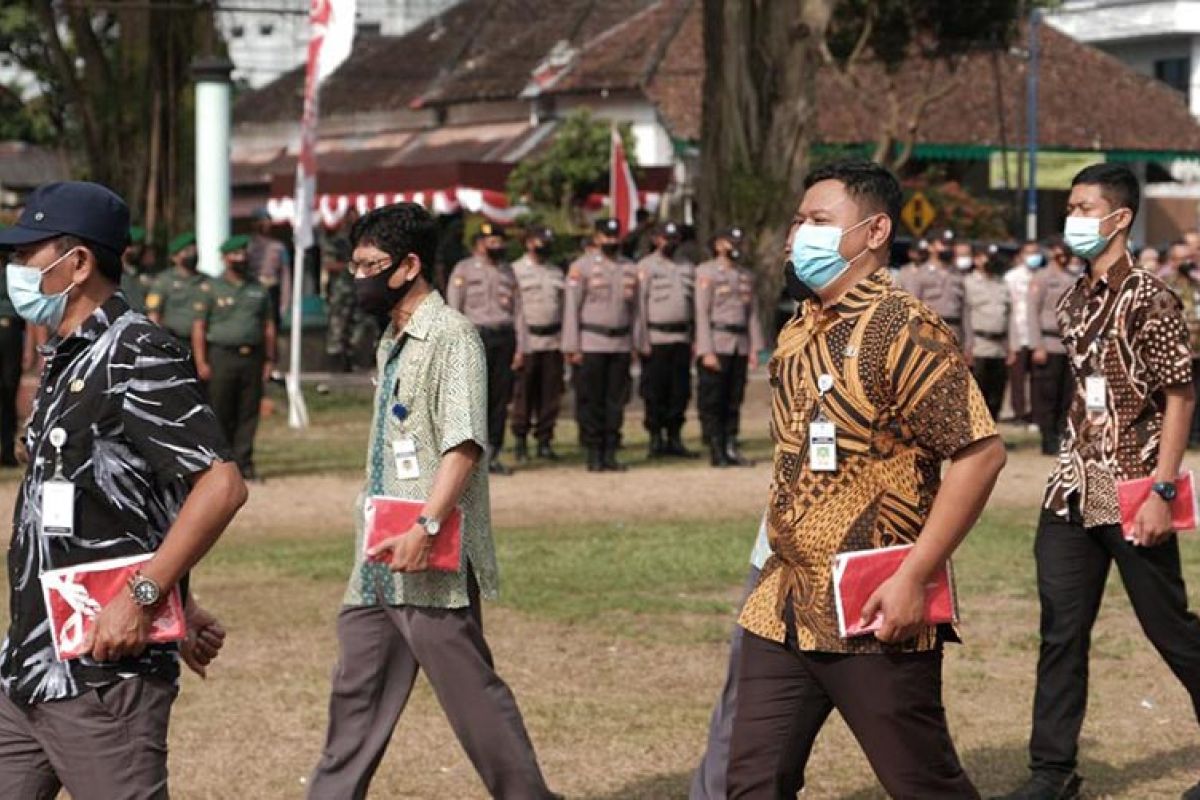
x=181 y=241
x=239 y=242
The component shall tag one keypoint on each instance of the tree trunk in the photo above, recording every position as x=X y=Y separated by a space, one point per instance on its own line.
x=761 y=61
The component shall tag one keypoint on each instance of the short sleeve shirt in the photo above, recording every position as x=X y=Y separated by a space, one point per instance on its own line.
x=174 y=296
x=126 y=395
x=432 y=388
x=1128 y=328
x=902 y=401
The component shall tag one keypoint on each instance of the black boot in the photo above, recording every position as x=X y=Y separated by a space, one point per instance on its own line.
x=608 y=460
x=594 y=461
x=545 y=451
x=521 y=450
x=656 y=444
x=675 y=447
x=717 y=455
x=734 y=453
x=1043 y=786
x=495 y=465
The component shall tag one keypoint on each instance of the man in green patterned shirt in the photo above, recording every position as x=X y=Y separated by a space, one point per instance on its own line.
x=399 y=616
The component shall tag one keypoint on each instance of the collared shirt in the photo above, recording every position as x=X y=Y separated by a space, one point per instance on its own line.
x=137 y=428
x=668 y=299
x=603 y=307
x=903 y=401
x=989 y=308
x=174 y=297
x=1018 y=279
x=727 y=320
x=436 y=370
x=236 y=312
x=542 y=290
x=1128 y=327
x=1189 y=294
x=484 y=292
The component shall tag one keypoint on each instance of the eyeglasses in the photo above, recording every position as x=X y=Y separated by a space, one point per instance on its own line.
x=366 y=269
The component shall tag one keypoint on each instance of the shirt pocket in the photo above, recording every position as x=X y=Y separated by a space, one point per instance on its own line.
x=599 y=290
x=629 y=284
x=476 y=292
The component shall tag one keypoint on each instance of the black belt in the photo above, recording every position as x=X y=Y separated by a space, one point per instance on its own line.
x=1051 y=333
x=739 y=329
x=670 y=327
x=239 y=349
x=603 y=331
x=545 y=330
x=995 y=337
x=495 y=328
x=952 y=320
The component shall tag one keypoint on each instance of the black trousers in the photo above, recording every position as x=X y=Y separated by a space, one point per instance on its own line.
x=499 y=347
x=12 y=346
x=601 y=384
x=1018 y=376
x=1194 y=438
x=236 y=392
x=1072 y=566
x=992 y=376
x=1052 y=391
x=667 y=386
x=538 y=395
x=892 y=704
x=719 y=396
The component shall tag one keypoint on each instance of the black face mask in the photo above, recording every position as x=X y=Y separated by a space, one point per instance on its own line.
x=190 y=262
x=375 y=297
x=796 y=289
x=669 y=249
x=542 y=251
x=610 y=249
x=947 y=257
x=238 y=267
x=1186 y=267
x=497 y=254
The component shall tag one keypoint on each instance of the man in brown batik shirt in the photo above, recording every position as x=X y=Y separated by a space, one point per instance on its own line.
x=1130 y=412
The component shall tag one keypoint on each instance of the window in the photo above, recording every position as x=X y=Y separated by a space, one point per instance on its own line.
x=237 y=31
x=1174 y=72
x=369 y=28
x=266 y=29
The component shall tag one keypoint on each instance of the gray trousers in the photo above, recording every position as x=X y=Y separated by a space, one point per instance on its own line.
x=107 y=744
x=708 y=781
x=381 y=650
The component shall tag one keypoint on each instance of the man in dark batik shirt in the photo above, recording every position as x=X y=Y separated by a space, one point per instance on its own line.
x=119 y=414
x=1127 y=342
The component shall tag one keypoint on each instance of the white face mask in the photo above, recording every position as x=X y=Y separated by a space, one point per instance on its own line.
x=1082 y=235
x=963 y=263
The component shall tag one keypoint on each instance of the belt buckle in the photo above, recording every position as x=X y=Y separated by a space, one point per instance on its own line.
x=245 y=350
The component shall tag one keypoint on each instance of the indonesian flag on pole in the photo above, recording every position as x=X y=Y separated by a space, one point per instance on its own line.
x=331 y=37
x=622 y=191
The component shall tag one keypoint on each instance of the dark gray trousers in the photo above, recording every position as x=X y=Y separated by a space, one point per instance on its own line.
x=107 y=744
x=381 y=649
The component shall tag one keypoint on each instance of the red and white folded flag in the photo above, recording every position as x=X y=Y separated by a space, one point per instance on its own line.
x=857 y=574
x=75 y=595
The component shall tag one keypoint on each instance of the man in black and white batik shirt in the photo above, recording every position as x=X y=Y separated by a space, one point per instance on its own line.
x=121 y=433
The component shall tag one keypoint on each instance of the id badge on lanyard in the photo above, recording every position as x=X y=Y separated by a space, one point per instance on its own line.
x=1096 y=393
x=822 y=434
x=58 y=495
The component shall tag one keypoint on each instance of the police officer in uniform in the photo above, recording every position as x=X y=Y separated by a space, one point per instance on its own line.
x=172 y=300
x=135 y=284
x=12 y=351
x=233 y=341
x=600 y=334
x=668 y=300
x=987 y=346
x=484 y=289
x=1051 y=380
x=541 y=286
x=939 y=285
x=728 y=338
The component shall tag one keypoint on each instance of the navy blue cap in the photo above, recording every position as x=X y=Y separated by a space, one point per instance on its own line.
x=608 y=226
x=669 y=230
x=71 y=208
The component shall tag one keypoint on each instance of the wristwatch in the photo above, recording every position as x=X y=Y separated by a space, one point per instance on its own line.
x=431 y=526
x=146 y=593
x=1166 y=490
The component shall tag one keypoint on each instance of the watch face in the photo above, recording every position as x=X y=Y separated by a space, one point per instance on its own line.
x=145 y=593
x=1166 y=491
x=432 y=527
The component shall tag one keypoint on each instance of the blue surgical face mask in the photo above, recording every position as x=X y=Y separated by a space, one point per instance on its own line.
x=816 y=260
x=1035 y=260
x=1082 y=235
x=25 y=292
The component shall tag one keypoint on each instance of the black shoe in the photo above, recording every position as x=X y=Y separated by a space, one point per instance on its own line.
x=734 y=453
x=1191 y=794
x=521 y=450
x=9 y=460
x=717 y=456
x=655 y=449
x=1046 y=786
x=545 y=451
x=675 y=447
x=250 y=475
x=594 y=461
x=497 y=467
x=608 y=461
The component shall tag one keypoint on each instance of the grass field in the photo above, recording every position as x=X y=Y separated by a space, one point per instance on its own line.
x=618 y=592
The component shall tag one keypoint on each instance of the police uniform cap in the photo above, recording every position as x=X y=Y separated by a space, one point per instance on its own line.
x=239 y=242
x=734 y=234
x=181 y=241
x=86 y=210
x=608 y=226
x=491 y=229
x=670 y=230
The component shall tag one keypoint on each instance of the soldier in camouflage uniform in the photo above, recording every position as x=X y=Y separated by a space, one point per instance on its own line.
x=348 y=325
x=135 y=284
